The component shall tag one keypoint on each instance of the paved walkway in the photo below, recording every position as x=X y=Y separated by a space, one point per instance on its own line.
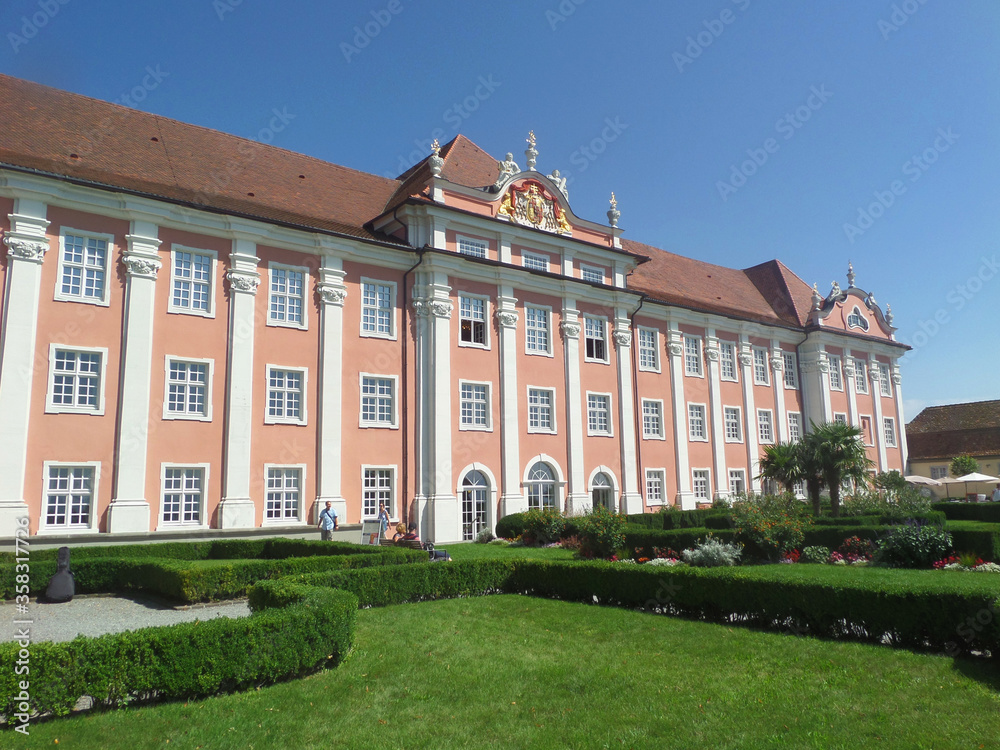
x=97 y=615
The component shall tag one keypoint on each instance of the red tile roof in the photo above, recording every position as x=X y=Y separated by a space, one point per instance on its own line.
x=943 y=432
x=975 y=415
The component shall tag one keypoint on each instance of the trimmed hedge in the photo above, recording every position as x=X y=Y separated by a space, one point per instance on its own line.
x=679 y=519
x=313 y=627
x=982 y=539
x=988 y=512
x=644 y=540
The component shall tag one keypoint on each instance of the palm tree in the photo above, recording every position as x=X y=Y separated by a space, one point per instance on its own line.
x=781 y=463
x=840 y=455
x=811 y=468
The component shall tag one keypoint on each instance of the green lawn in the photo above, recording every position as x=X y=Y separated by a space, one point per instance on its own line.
x=518 y=672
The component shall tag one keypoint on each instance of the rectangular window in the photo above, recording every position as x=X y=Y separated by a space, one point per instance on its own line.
x=737 y=482
x=284 y=493
x=939 y=472
x=790 y=366
x=474 y=403
x=836 y=378
x=889 y=430
x=76 y=380
x=692 y=356
x=286 y=395
x=598 y=414
x=885 y=385
x=649 y=349
x=592 y=273
x=472 y=321
x=187 y=395
x=840 y=418
x=540 y=410
x=377 y=486
x=761 y=373
x=595 y=339
x=765 y=426
x=183 y=494
x=696 y=422
x=652 y=419
x=469 y=246
x=794 y=426
x=536 y=327
x=655 y=490
x=734 y=424
x=377 y=301
x=727 y=360
x=535 y=262
x=288 y=296
x=191 y=274
x=861 y=375
x=699 y=484
x=866 y=431
x=378 y=401
x=83 y=267
x=69 y=496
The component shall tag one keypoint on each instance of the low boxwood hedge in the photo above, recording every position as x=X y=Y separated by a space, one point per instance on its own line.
x=312 y=627
x=988 y=512
x=982 y=539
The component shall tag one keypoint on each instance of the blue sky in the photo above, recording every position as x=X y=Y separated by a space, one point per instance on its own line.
x=733 y=131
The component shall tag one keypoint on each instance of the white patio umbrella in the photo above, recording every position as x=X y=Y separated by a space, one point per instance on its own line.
x=917 y=479
x=974 y=477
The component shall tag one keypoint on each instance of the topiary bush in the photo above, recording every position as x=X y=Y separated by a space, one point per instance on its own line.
x=712 y=553
x=815 y=555
x=913 y=545
x=600 y=532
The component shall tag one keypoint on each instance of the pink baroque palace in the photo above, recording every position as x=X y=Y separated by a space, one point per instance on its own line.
x=203 y=335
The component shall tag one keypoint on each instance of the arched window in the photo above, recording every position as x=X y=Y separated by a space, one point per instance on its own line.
x=857 y=320
x=541 y=487
x=602 y=492
x=475 y=493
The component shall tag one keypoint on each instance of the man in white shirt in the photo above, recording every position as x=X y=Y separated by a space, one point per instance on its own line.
x=996 y=494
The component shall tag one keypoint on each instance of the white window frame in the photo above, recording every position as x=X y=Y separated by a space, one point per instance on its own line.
x=206 y=416
x=798 y=425
x=377 y=423
x=304 y=324
x=760 y=426
x=701 y=473
x=482 y=246
x=836 y=365
x=376 y=334
x=941 y=471
x=861 y=376
x=535 y=261
x=609 y=405
x=871 y=438
x=758 y=367
x=704 y=423
x=303 y=400
x=660 y=475
x=885 y=383
x=552 y=407
x=841 y=417
x=300 y=516
x=202 y=522
x=390 y=506
x=739 y=423
x=109 y=263
x=660 y=434
x=174 y=308
x=856 y=320
x=88 y=528
x=462 y=425
x=547 y=313
x=727 y=353
x=741 y=476
x=485 y=321
x=790 y=366
x=646 y=349
x=600 y=326
x=53 y=408
x=587 y=270
x=693 y=361
x=889 y=432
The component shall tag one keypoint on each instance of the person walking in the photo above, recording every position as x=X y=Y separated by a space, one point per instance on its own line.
x=383 y=523
x=996 y=494
x=328 y=522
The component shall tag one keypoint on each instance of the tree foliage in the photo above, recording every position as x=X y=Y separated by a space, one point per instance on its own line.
x=962 y=465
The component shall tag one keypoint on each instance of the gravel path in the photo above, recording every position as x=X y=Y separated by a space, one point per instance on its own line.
x=97 y=615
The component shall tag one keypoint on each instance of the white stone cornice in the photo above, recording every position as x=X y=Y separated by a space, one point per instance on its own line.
x=25 y=247
x=243 y=281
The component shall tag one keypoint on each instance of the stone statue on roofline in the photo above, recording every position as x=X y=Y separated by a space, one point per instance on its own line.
x=560 y=182
x=507 y=168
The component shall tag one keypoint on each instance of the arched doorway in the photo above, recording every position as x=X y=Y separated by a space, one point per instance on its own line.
x=541 y=486
x=475 y=496
x=602 y=492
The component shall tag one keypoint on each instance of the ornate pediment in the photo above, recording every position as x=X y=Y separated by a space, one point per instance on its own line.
x=530 y=204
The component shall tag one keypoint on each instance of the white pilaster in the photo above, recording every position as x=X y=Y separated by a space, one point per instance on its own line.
x=511 y=499
x=897 y=381
x=331 y=292
x=750 y=413
x=878 y=428
x=852 y=389
x=578 y=500
x=129 y=510
x=778 y=383
x=237 y=508
x=631 y=501
x=503 y=246
x=815 y=385
x=675 y=347
x=718 y=423
x=26 y=244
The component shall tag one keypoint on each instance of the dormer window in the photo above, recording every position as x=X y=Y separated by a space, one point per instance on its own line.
x=857 y=320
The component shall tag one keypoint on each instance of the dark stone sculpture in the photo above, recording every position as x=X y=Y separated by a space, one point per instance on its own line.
x=61 y=586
